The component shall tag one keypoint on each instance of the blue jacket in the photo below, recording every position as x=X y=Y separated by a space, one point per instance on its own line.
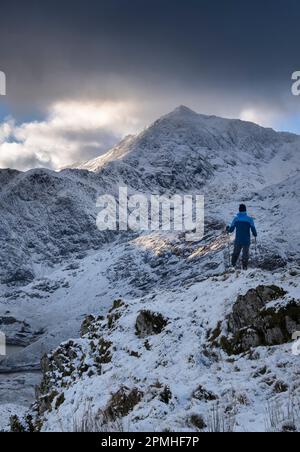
x=243 y=224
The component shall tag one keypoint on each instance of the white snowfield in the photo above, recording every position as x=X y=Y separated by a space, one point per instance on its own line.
x=57 y=268
x=182 y=360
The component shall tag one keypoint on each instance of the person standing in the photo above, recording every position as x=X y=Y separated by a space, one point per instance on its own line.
x=243 y=225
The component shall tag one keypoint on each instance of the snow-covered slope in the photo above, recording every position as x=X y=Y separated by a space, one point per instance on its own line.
x=206 y=147
x=151 y=365
x=48 y=217
x=45 y=217
x=57 y=268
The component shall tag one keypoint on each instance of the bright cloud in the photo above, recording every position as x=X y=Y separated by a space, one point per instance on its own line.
x=262 y=116
x=71 y=132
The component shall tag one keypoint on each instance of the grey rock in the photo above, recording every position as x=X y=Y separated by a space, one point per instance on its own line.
x=149 y=323
x=252 y=323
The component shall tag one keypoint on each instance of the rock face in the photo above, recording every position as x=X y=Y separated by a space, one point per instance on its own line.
x=202 y=394
x=121 y=403
x=88 y=357
x=149 y=323
x=109 y=379
x=253 y=323
x=73 y=360
x=181 y=152
x=56 y=217
x=271 y=262
x=247 y=306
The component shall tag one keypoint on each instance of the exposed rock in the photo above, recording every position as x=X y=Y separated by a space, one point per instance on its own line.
x=103 y=352
x=252 y=323
x=289 y=427
x=21 y=277
x=271 y=263
x=160 y=392
x=69 y=362
x=242 y=342
x=247 y=306
x=280 y=387
x=60 y=369
x=49 y=286
x=112 y=319
x=165 y=395
x=202 y=394
x=122 y=403
x=60 y=400
x=149 y=323
x=197 y=421
x=92 y=327
x=86 y=325
x=117 y=304
x=8 y=321
x=26 y=425
x=45 y=402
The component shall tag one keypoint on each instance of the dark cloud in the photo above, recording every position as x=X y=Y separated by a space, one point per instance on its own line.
x=233 y=58
x=66 y=48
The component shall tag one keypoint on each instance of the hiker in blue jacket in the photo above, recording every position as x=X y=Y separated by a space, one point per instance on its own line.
x=243 y=224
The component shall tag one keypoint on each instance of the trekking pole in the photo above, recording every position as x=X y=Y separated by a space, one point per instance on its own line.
x=228 y=248
x=256 y=250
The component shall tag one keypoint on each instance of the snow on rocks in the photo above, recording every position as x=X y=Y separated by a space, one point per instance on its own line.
x=254 y=322
x=149 y=323
x=8 y=411
x=58 y=269
x=169 y=380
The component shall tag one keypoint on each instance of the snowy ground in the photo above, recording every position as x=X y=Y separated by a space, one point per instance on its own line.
x=243 y=385
x=67 y=270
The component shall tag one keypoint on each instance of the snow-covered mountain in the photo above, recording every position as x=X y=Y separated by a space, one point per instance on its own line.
x=57 y=268
x=206 y=147
x=48 y=216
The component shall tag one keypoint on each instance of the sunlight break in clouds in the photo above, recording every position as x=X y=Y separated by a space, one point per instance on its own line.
x=263 y=116
x=72 y=131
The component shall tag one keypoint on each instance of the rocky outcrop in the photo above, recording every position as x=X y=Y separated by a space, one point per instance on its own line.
x=19 y=277
x=27 y=425
x=90 y=356
x=122 y=403
x=247 y=306
x=109 y=379
x=203 y=394
x=272 y=262
x=69 y=363
x=253 y=322
x=149 y=323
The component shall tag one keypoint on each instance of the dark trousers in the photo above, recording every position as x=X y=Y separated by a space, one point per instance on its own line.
x=237 y=252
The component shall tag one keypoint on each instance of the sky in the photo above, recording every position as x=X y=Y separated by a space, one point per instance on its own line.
x=81 y=75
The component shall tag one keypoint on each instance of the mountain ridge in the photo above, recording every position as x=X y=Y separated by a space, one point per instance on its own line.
x=182 y=115
x=201 y=145
x=171 y=156
x=57 y=268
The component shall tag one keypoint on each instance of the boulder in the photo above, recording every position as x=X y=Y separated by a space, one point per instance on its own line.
x=247 y=306
x=122 y=403
x=253 y=323
x=149 y=323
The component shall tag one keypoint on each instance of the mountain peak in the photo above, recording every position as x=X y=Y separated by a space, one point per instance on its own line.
x=183 y=110
x=192 y=145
